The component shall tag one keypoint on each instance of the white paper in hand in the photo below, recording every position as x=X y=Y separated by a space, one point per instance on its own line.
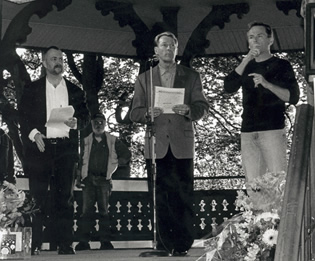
x=58 y=116
x=166 y=98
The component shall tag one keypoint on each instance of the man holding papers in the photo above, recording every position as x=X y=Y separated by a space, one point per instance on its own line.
x=51 y=111
x=178 y=101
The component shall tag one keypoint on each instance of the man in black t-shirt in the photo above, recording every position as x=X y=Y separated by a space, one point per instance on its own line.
x=268 y=83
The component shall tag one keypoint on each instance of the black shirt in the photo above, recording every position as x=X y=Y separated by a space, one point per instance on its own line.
x=99 y=157
x=262 y=109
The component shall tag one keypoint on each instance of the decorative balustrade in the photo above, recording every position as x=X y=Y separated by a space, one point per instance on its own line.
x=131 y=212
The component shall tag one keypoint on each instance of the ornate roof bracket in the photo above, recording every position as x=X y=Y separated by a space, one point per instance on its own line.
x=287 y=6
x=125 y=14
x=219 y=15
x=19 y=28
x=170 y=18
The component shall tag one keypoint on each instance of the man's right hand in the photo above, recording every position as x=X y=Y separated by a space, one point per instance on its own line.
x=254 y=52
x=78 y=183
x=156 y=111
x=39 y=139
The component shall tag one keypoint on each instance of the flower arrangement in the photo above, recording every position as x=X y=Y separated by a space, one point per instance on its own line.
x=14 y=206
x=252 y=234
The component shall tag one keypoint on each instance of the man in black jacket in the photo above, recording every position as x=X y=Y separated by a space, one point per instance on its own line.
x=51 y=152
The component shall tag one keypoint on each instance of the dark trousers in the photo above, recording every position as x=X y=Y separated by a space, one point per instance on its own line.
x=174 y=202
x=54 y=168
x=97 y=190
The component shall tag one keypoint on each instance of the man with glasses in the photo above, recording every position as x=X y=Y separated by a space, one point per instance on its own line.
x=101 y=154
x=174 y=148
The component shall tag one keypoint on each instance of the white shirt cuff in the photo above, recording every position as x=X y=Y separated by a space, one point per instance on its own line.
x=32 y=134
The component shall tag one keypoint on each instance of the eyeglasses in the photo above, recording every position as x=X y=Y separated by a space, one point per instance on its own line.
x=98 y=122
x=165 y=45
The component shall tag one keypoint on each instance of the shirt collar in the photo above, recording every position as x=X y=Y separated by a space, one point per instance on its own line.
x=171 y=69
x=61 y=83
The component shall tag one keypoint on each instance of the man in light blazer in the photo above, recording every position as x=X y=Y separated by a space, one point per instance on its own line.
x=51 y=153
x=175 y=144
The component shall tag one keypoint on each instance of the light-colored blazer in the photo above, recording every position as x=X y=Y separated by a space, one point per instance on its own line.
x=171 y=130
x=112 y=155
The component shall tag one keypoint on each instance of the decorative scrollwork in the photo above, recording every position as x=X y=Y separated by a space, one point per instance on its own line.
x=219 y=15
x=125 y=14
x=287 y=6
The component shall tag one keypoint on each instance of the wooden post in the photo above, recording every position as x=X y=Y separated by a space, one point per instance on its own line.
x=1 y=19
x=309 y=232
x=309 y=236
x=291 y=220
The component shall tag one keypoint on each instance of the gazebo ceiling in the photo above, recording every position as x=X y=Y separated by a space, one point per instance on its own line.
x=81 y=27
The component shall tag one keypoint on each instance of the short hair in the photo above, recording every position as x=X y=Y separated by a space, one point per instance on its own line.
x=45 y=51
x=267 y=27
x=168 y=34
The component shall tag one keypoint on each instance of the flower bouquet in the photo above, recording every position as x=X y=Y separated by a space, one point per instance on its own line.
x=15 y=238
x=14 y=206
x=252 y=234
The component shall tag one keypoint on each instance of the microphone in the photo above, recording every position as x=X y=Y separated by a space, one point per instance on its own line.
x=154 y=58
x=257 y=52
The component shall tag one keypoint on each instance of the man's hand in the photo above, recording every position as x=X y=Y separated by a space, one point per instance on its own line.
x=254 y=52
x=258 y=79
x=71 y=122
x=78 y=183
x=156 y=111
x=181 y=109
x=39 y=139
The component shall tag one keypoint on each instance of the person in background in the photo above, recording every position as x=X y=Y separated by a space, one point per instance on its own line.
x=175 y=145
x=6 y=158
x=51 y=153
x=268 y=83
x=102 y=153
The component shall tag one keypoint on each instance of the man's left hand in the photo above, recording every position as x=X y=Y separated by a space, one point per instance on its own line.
x=181 y=109
x=71 y=122
x=258 y=79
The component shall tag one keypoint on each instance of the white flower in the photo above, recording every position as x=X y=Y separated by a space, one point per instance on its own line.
x=270 y=237
x=267 y=216
x=252 y=253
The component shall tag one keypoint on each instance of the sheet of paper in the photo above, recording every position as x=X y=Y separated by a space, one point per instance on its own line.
x=58 y=116
x=18 y=240
x=166 y=98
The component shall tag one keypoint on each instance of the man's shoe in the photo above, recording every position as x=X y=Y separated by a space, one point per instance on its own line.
x=82 y=246
x=179 y=253
x=106 y=245
x=65 y=250
x=35 y=251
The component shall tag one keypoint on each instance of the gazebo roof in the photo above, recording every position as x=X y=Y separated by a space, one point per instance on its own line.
x=81 y=27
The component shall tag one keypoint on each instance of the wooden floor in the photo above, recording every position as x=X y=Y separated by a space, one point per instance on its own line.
x=194 y=254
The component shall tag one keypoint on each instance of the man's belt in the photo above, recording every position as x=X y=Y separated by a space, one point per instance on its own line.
x=97 y=174
x=56 y=140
